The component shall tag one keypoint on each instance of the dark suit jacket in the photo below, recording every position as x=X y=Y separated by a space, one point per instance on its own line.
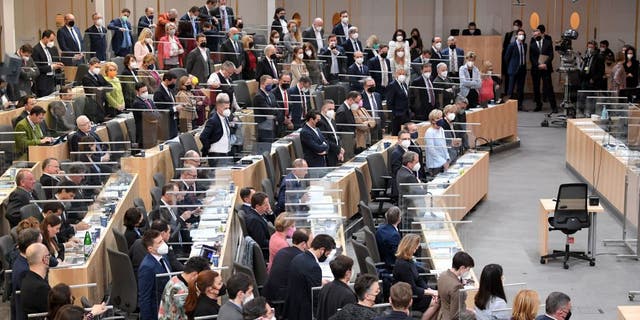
x=149 y=287
x=258 y=229
x=164 y=101
x=313 y=143
x=296 y=107
x=278 y=94
x=338 y=30
x=393 y=315
x=144 y=22
x=197 y=65
x=137 y=252
x=68 y=44
x=376 y=71
x=211 y=133
x=186 y=19
x=325 y=54
x=535 y=52
x=345 y=120
x=332 y=139
x=18 y=199
x=388 y=239
x=263 y=67
x=356 y=81
x=306 y=275
x=34 y=287
x=266 y=115
x=275 y=288
x=444 y=97
x=118 y=36
x=349 y=50
x=397 y=100
x=28 y=74
x=45 y=84
x=512 y=57
x=95 y=101
x=543 y=317
x=436 y=57
x=49 y=181
x=132 y=236
x=289 y=183
x=460 y=54
x=395 y=163
x=466 y=32
x=229 y=54
x=404 y=175
x=406 y=271
x=333 y=296
x=367 y=105
x=309 y=35
x=75 y=137
x=419 y=99
x=230 y=17
x=594 y=78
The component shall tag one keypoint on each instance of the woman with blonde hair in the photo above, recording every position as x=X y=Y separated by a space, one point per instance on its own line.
x=144 y=45
x=525 y=305
x=170 y=49
x=398 y=61
x=298 y=67
x=115 y=97
x=147 y=73
x=436 y=144
x=371 y=47
x=250 y=58
x=618 y=75
x=405 y=270
x=188 y=101
x=285 y=227
x=292 y=39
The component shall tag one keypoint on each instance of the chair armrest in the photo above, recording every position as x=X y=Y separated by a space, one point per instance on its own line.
x=386 y=177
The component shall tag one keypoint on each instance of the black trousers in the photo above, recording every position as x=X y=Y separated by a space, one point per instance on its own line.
x=547 y=87
x=516 y=82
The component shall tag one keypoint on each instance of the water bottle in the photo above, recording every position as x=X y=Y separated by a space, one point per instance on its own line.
x=605 y=114
x=232 y=187
x=87 y=245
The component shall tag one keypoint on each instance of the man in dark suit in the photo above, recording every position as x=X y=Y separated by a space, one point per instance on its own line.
x=245 y=195
x=397 y=96
x=380 y=70
x=344 y=115
x=84 y=129
x=592 y=69
x=191 y=18
x=265 y=111
x=178 y=221
x=357 y=72
x=34 y=282
x=388 y=237
x=224 y=15
x=372 y=101
x=70 y=41
x=96 y=38
x=27 y=75
x=268 y=64
x=314 y=145
x=46 y=57
x=328 y=127
x=257 y=225
x=336 y=294
x=95 y=86
x=48 y=179
x=315 y=34
x=472 y=30
x=215 y=136
x=412 y=128
x=275 y=288
x=395 y=158
x=280 y=92
x=299 y=101
x=541 y=69
x=165 y=100
x=422 y=97
x=408 y=174
x=515 y=57
x=509 y=37
x=341 y=29
x=154 y=262
x=557 y=306
x=146 y=20
x=146 y=121
x=453 y=56
x=122 y=40
x=306 y=275
x=232 y=50
x=401 y=298
x=198 y=62
x=446 y=88
x=416 y=64
x=137 y=252
x=290 y=186
x=21 y=196
x=352 y=45
x=334 y=59
x=436 y=52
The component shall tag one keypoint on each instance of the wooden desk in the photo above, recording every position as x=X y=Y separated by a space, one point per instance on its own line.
x=486 y=48
x=628 y=312
x=470 y=188
x=7 y=116
x=96 y=268
x=145 y=167
x=497 y=123
x=548 y=206
x=59 y=151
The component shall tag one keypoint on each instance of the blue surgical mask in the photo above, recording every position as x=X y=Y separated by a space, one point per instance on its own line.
x=236 y=37
x=414 y=135
x=268 y=87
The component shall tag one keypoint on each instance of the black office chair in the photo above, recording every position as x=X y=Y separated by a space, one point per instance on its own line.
x=259 y=265
x=124 y=289
x=177 y=152
x=6 y=245
x=238 y=268
x=362 y=253
x=121 y=241
x=39 y=191
x=268 y=165
x=284 y=161
x=31 y=210
x=130 y=123
x=570 y=216
x=297 y=146
x=158 y=179
x=188 y=141
x=380 y=180
x=367 y=217
x=156 y=195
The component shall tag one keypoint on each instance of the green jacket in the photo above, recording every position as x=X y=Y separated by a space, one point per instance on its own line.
x=30 y=137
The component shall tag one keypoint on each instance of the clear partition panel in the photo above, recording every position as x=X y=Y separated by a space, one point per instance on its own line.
x=584 y=106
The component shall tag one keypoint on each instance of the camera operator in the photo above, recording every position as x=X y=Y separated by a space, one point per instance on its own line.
x=592 y=69
x=541 y=57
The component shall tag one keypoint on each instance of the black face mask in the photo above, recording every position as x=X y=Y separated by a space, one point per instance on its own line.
x=172 y=19
x=568 y=315
x=150 y=17
x=189 y=88
x=538 y=38
x=203 y=44
x=414 y=135
x=71 y=23
x=441 y=123
x=285 y=86
x=222 y=291
x=250 y=44
x=371 y=89
x=171 y=86
x=322 y=258
x=240 y=25
x=383 y=55
x=273 y=56
x=453 y=46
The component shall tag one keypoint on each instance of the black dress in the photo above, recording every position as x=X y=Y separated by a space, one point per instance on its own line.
x=406 y=271
x=205 y=307
x=632 y=82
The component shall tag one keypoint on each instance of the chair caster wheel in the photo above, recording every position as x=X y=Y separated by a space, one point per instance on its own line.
x=544 y=123
x=565 y=265
x=543 y=261
x=630 y=296
x=592 y=263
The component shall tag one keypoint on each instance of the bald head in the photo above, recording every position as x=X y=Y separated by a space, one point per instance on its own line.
x=35 y=254
x=173 y=13
x=317 y=22
x=192 y=158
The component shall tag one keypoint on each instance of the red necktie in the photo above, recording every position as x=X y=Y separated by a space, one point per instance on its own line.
x=286 y=103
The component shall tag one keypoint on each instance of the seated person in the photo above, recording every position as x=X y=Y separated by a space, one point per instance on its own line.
x=49 y=228
x=77 y=175
x=49 y=178
x=132 y=221
x=87 y=152
x=178 y=221
x=34 y=283
x=204 y=300
x=189 y=199
x=257 y=225
x=85 y=129
x=275 y=288
x=336 y=294
x=406 y=180
x=28 y=102
x=367 y=289
x=20 y=196
x=63 y=113
x=171 y=304
x=289 y=195
x=33 y=134
x=65 y=192
x=20 y=266
x=400 y=298
x=403 y=144
x=388 y=237
x=245 y=195
x=67 y=230
x=471 y=30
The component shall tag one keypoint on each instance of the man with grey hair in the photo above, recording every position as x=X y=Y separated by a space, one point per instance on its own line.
x=557 y=307
x=408 y=173
x=34 y=284
x=372 y=101
x=232 y=50
x=454 y=56
x=315 y=34
x=445 y=88
x=216 y=135
x=352 y=45
x=267 y=64
x=221 y=81
x=290 y=188
x=327 y=126
x=461 y=120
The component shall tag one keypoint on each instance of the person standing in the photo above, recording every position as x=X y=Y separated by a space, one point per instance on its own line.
x=122 y=40
x=154 y=262
x=515 y=57
x=314 y=144
x=509 y=37
x=146 y=20
x=165 y=100
x=34 y=283
x=216 y=135
x=97 y=35
x=398 y=101
x=46 y=57
x=541 y=57
x=146 y=117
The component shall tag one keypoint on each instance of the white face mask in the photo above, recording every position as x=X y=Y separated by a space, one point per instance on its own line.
x=402 y=78
x=247 y=298
x=405 y=144
x=439 y=45
x=629 y=56
x=25 y=58
x=226 y=112
x=345 y=20
x=96 y=70
x=308 y=53
x=318 y=29
x=354 y=36
x=300 y=56
x=416 y=167
x=332 y=44
x=99 y=22
x=470 y=64
x=427 y=74
x=172 y=32
x=521 y=37
x=276 y=40
x=163 y=249
x=399 y=38
x=359 y=60
x=330 y=114
x=354 y=106
x=133 y=65
x=489 y=72
x=516 y=28
x=444 y=74
x=451 y=116
x=50 y=44
x=147 y=96
x=400 y=54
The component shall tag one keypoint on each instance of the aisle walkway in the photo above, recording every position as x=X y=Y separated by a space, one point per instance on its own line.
x=504 y=228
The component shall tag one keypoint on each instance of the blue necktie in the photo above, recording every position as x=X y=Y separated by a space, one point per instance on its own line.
x=126 y=37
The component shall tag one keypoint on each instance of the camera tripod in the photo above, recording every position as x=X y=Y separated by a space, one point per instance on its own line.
x=567 y=107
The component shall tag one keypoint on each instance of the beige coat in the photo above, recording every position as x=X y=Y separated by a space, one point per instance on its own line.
x=364 y=123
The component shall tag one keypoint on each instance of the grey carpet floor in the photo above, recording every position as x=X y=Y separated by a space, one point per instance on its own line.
x=504 y=228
